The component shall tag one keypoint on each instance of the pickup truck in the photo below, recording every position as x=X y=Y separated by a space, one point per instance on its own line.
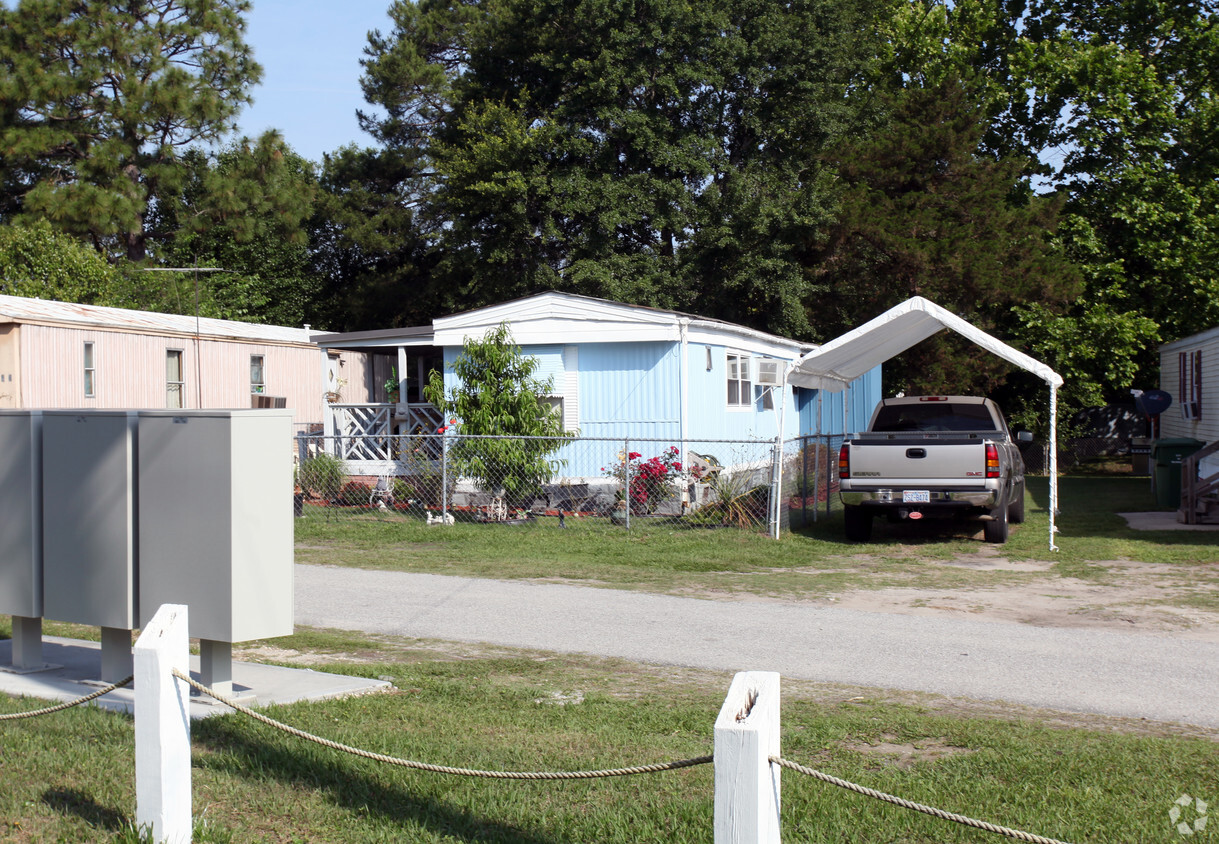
x=925 y=456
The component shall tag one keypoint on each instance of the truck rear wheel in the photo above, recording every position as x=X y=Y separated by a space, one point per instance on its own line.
x=995 y=530
x=1015 y=510
x=858 y=522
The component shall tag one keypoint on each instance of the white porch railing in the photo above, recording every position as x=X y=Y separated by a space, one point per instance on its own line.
x=362 y=433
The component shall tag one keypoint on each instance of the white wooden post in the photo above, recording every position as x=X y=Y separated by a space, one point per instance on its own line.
x=746 y=783
x=162 y=727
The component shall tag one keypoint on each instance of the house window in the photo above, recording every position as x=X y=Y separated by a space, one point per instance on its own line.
x=175 y=385
x=554 y=404
x=258 y=381
x=90 y=371
x=740 y=386
x=1189 y=371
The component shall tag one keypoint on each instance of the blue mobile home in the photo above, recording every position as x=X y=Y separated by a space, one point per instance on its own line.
x=627 y=372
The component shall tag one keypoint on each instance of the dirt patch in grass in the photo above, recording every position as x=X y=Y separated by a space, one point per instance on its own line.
x=1114 y=594
x=891 y=751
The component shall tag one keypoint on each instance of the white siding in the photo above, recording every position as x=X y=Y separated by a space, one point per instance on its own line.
x=1172 y=423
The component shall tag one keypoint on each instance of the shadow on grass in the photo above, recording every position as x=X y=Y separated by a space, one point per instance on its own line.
x=927 y=531
x=69 y=801
x=362 y=792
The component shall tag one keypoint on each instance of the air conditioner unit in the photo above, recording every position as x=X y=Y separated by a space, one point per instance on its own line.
x=769 y=373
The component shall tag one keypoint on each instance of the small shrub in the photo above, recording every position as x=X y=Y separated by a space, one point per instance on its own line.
x=402 y=492
x=321 y=476
x=355 y=494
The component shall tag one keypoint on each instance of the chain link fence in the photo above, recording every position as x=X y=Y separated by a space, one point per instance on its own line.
x=810 y=479
x=629 y=482
x=448 y=478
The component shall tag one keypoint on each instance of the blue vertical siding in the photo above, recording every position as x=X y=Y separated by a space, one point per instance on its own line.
x=863 y=395
x=710 y=416
x=630 y=389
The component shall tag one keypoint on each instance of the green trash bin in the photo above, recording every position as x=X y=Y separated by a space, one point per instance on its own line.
x=1167 y=455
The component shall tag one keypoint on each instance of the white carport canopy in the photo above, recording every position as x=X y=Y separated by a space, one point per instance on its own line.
x=833 y=366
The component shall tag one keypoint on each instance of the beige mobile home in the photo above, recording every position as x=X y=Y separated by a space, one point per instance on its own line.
x=64 y=355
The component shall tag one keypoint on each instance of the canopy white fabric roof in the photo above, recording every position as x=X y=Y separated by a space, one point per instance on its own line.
x=833 y=366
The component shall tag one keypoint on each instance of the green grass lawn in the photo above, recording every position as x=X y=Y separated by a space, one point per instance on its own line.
x=816 y=559
x=69 y=776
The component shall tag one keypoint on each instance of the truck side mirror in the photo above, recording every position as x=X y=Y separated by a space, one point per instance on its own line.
x=1024 y=437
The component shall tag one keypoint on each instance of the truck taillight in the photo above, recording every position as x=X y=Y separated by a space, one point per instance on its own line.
x=992 y=460
x=844 y=462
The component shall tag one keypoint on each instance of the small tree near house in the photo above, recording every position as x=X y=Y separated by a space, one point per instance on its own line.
x=499 y=395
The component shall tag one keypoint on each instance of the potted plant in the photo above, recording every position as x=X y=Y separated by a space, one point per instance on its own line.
x=392 y=386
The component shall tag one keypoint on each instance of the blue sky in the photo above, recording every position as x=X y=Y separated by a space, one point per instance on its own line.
x=310 y=52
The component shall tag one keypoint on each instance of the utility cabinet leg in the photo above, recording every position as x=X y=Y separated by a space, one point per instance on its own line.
x=162 y=727
x=216 y=666
x=116 y=654
x=27 y=643
x=746 y=782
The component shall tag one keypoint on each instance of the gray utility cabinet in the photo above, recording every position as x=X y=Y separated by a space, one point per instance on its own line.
x=21 y=513
x=215 y=520
x=89 y=490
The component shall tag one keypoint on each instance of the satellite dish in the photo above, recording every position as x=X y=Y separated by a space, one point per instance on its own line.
x=1153 y=402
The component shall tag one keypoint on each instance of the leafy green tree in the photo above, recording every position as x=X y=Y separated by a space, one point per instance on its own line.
x=38 y=261
x=98 y=97
x=1130 y=92
x=926 y=212
x=368 y=247
x=656 y=152
x=247 y=209
x=498 y=396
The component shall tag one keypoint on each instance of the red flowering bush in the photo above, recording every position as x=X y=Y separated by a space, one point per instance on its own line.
x=651 y=480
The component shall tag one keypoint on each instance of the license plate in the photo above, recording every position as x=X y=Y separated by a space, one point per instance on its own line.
x=916 y=496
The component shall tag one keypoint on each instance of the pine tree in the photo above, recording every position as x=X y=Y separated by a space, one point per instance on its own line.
x=97 y=97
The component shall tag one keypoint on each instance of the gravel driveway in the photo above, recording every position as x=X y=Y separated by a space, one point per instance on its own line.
x=1139 y=675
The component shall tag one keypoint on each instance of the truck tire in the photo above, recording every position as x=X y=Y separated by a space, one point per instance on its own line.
x=858 y=523
x=995 y=530
x=1015 y=510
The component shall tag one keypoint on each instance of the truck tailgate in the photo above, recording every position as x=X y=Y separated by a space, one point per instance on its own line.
x=927 y=459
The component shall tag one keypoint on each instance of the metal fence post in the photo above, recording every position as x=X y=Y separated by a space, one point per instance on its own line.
x=775 y=510
x=626 y=493
x=444 y=476
x=831 y=466
x=162 y=727
x=804 y=480
x=746 y=783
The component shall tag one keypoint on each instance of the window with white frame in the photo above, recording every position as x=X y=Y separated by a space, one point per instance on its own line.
x=258 y=380
x=90 y=371
x=740 y=385
x=175 y=384
x=1189 y=373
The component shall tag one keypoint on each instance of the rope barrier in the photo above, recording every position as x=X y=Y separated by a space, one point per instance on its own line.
x=443 y=769
x=918 y=807
x=547 y=775
x=67 y=704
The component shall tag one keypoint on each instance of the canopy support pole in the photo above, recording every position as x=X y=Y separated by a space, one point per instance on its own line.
x=1053 y=463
